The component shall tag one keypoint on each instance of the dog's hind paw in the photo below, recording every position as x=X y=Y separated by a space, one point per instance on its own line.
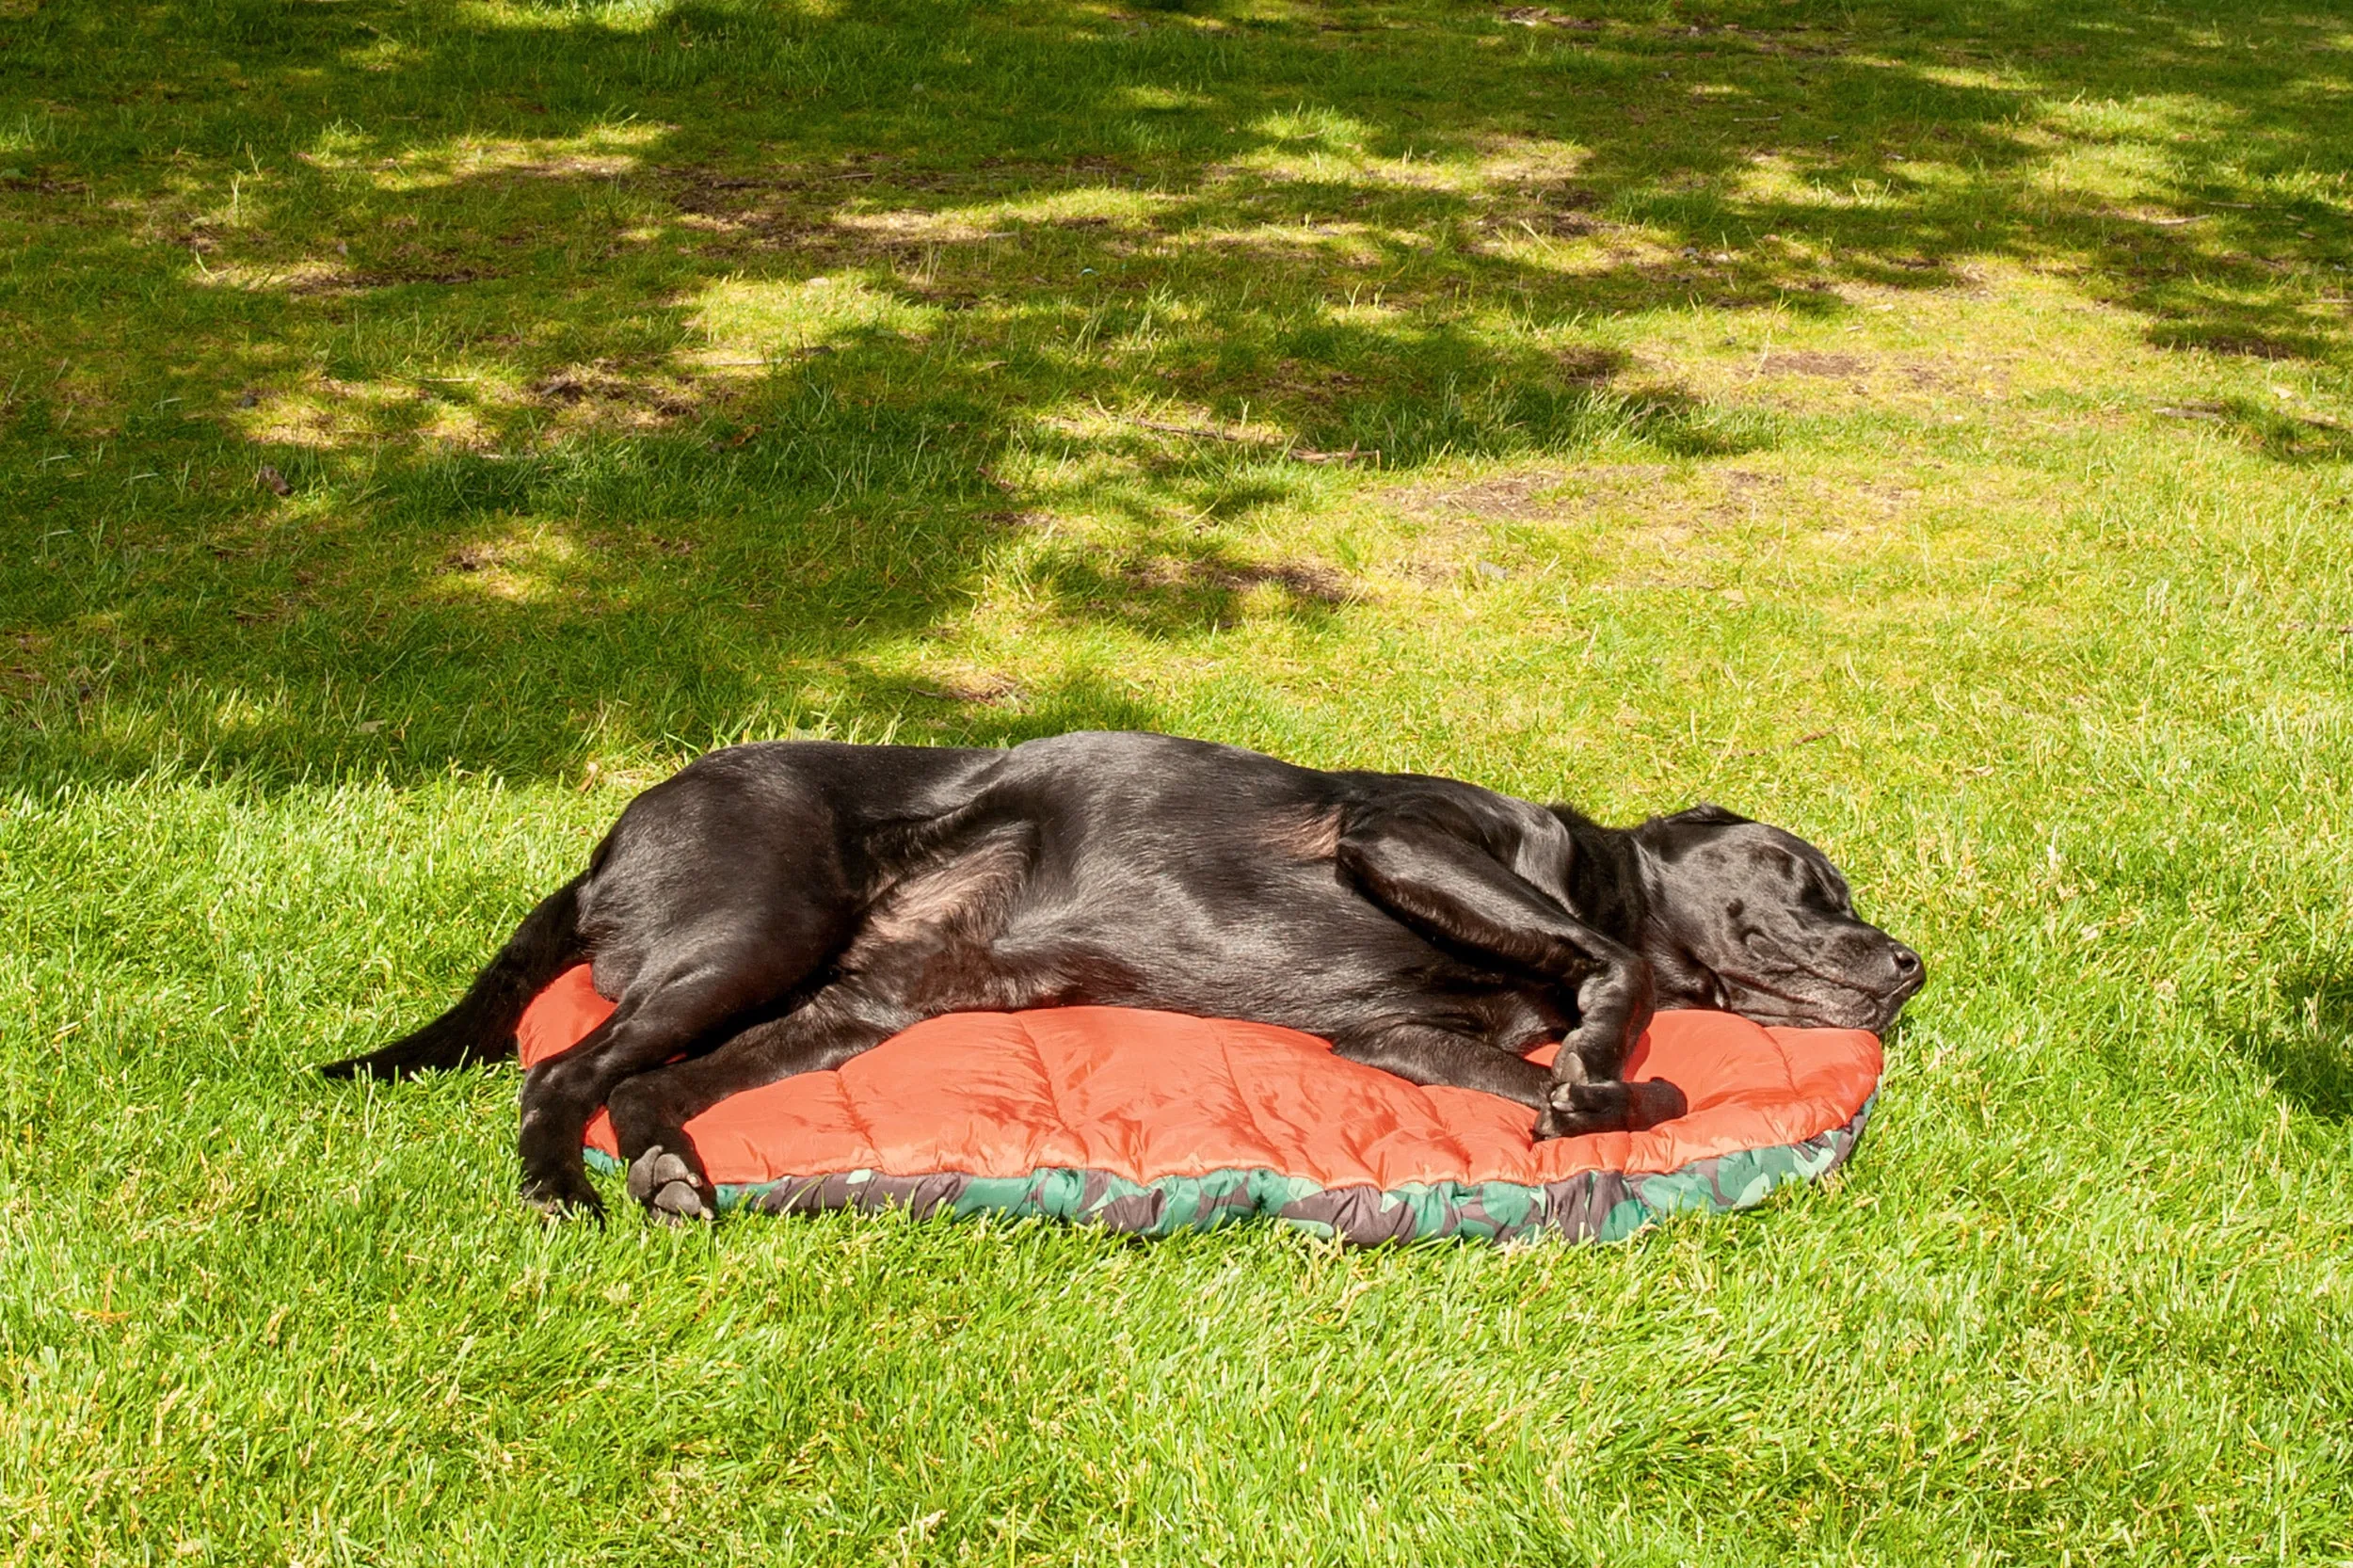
x=563 y=1199
x=671 y=1188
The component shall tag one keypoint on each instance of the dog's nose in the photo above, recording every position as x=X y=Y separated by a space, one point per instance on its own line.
x=1907 y=962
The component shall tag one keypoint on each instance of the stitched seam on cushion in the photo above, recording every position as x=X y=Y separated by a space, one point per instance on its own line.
x=1456 y=1150
x=1046 y=1075
x=1429 y=1109
x=1225 y=1054
x=858 y=1124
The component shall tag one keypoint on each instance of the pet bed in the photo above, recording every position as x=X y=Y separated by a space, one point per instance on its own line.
x=1151 y=1123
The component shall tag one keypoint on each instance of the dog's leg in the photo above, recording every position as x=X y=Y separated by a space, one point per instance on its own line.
x=924 y=948
x=651 y=1109
x=1425 y=1055
x=716 y=897
x=655 y=1020
x=1458 y=893
x=730 y=964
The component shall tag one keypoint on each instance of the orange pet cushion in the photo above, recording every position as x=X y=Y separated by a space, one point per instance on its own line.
x=1154 y=1121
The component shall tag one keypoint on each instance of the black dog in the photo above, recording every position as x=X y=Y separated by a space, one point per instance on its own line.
x=778 y=908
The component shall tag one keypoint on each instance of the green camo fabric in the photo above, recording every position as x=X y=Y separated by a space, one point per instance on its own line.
x=1592 y=1205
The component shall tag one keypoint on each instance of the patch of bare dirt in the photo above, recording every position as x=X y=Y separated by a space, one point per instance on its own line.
x=1539 y=493
x=983 y=688
x=1546 y=208
x=1590 y=366
x=37 y=184
x=392 y=277
x=1645 y=507
x=777 y=210
x=598 y=386
x=2248 y=347
x=901 y=227
x=563 y=387
x=1318 y=383
x=332 y=277
x=1539 y=16
x=315 y=278
x=1889 y=497
x=1507 y=498
x=797 y=207
x=1027 y=522
x=1301 y=580
x=1807 y=361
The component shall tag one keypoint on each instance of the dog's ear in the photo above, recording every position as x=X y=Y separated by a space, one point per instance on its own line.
x=1707 y=814
x=1668 y=836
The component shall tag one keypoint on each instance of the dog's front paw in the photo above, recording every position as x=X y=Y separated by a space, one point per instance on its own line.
x=1555 y=1121
x=1577 y=1110
x=672 y=1190
x=1654 y=1100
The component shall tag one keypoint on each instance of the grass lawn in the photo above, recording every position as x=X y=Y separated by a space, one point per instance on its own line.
x=1926 y=424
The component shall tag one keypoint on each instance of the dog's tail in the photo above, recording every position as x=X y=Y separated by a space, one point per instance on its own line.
x=481 y=1028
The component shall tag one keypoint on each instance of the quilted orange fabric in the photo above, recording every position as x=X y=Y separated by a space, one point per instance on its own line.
x=1148 y=1095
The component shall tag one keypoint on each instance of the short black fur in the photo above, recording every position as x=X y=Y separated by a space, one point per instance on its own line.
x=778 y=908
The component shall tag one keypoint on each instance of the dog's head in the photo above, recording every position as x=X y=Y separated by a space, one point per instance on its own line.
x=1757 y=921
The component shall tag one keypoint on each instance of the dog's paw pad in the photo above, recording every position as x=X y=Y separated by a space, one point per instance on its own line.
x=654 y=1170
x=667 y=1185
x=681 y=1203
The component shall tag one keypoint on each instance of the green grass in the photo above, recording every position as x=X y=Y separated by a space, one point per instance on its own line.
x=1924 y=424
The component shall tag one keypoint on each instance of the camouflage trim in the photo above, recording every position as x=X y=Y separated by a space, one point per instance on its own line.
x=1592 y=1206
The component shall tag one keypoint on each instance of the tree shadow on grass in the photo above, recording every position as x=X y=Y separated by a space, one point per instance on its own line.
x=2306 y=1046
x=631 y=381
x=2278 y=433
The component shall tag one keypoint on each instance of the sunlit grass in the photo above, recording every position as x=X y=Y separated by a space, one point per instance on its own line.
x=1925 y=427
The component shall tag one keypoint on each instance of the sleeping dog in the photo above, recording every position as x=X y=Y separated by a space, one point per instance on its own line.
x=778 y=908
